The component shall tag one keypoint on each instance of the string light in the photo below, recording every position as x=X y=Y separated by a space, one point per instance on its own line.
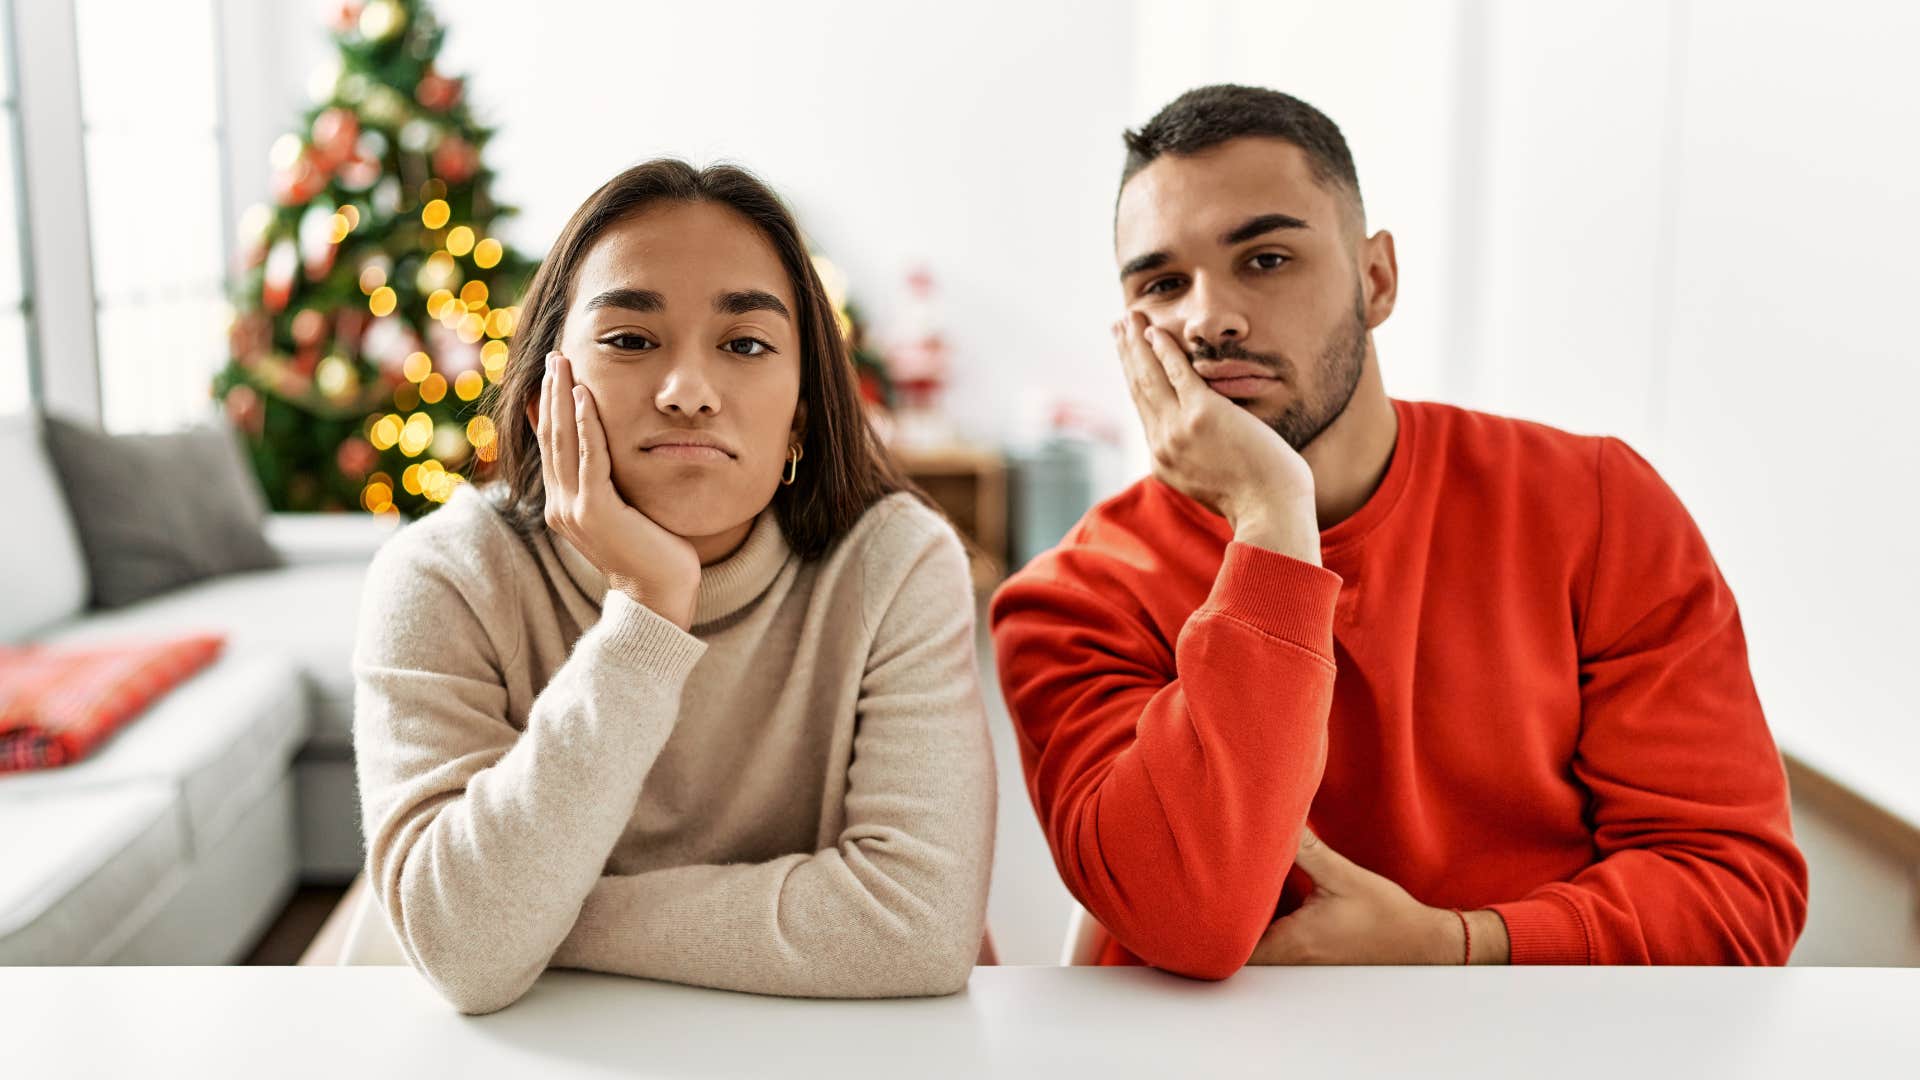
x=438 y=272
x=383 y=300
x=460 y=240
x=377 y=497
x=493 y=356
x=468 y=385
x=410 y=479
x=486 y=253
x=335 y=376
x=433 y=388
x=473 y=293
x=341 y=227
x=386 y=432
x=480 y=433
x=286 y=151
x=372 y=276
x=406 y=398
x=435 y=214
x=471 y=328
x=436 y=302
x=415 y=434
x=416 y=366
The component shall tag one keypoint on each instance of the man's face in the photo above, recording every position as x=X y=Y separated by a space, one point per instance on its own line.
x=1253 y=265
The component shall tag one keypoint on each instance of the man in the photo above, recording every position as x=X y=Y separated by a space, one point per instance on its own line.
x=1358 y=680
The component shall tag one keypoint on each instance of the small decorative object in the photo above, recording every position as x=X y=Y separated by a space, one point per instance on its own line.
x=381 y=19
x=334 y=133
x=317 y=245
x=455 y=160
x=437 y=92
x=917 y=361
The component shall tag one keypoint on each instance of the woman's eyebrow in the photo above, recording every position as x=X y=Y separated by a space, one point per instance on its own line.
x=641 y=300
x=742 y=301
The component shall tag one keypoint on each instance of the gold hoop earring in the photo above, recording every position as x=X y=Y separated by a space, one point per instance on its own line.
x=794 y=454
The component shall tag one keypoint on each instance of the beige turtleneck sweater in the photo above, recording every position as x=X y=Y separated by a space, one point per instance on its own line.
x=795 y=798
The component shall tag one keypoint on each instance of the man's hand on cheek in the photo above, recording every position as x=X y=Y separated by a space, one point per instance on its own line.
x=1212 y=450
x=1355 y=916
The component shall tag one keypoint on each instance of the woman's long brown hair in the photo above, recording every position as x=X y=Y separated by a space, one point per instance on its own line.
x=844 y=468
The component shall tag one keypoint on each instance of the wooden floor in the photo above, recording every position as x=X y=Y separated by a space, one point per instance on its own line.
x=297 y=925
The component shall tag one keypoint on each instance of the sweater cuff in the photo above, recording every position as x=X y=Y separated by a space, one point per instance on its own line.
x=1279 y=594
x=1544 y=929
x=636 y=633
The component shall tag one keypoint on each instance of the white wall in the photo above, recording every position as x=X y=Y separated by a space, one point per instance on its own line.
x=979 y=139
x=1792 y=372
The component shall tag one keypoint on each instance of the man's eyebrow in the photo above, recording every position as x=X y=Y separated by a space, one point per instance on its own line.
x=1246 y=230
x=1265 y=223
x=1140 y=264
x=642 y=300
x=742 y=301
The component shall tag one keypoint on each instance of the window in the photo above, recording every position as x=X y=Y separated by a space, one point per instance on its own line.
x=16 y=379
x=149 y=98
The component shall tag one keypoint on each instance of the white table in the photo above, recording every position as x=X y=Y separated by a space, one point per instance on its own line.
x=355 y=1023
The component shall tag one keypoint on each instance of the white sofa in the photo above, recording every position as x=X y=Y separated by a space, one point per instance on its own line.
x=179 y=839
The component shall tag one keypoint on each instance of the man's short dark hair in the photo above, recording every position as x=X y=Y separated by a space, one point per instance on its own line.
x=1205 y=117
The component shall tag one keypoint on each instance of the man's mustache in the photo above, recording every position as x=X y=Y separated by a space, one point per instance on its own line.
x=1232 y=350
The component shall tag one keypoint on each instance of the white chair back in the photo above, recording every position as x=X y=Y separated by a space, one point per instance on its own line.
x=370 y=941
x=1085 y=938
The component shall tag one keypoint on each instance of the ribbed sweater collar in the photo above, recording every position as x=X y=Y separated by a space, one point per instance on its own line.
x=725 y=587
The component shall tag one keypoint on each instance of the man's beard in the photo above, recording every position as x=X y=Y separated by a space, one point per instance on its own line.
x=1341 y=362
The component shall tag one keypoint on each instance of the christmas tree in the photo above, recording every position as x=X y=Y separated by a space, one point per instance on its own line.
x=374 y=304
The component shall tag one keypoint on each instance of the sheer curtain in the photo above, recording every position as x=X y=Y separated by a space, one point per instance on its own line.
x=149 y=95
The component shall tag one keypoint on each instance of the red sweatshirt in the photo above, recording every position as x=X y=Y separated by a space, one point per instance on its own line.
x=1520 y=683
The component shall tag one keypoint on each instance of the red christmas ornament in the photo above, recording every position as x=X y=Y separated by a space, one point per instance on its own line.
x=356 y=457
x=299 y=183
x=246 y=410
x=455 y=160
x=276 y=283
x=359 y=174
x=350 y=328
x=437 y=92
x=309 y=328
x=249 y=335
x=334 y=133
x=317 y=247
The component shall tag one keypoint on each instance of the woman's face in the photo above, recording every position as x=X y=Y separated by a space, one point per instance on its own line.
x=683 y=327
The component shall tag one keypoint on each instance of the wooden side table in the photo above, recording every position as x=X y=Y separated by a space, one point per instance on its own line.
x=970 y=484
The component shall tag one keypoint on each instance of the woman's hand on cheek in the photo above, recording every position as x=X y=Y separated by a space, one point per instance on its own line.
x=643 y=560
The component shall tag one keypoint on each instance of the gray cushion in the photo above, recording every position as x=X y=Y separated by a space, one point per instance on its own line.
x=43 y=575
x=156 y=512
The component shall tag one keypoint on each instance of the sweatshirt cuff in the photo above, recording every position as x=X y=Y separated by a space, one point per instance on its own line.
x=636 y=633
x=1544 y=929
x=1279 y=594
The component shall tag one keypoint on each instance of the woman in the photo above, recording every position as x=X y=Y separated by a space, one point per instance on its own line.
x=690 y=693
